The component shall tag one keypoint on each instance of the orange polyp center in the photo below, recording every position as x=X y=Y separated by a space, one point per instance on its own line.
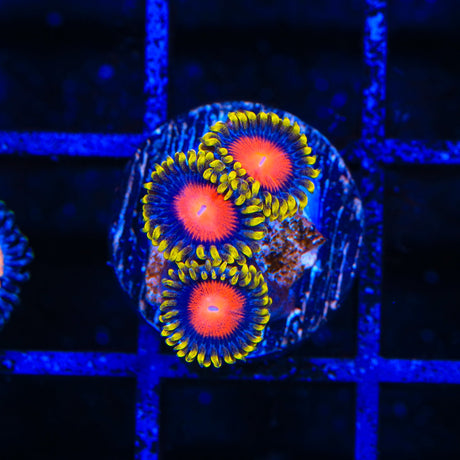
x=204 y=213
x=263 y=160
x=216 y=309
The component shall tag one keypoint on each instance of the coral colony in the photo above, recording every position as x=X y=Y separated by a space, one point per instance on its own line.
x=207 y=211
x=15 y=255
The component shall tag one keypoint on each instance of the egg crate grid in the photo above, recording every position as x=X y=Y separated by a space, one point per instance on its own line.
x=368 y=369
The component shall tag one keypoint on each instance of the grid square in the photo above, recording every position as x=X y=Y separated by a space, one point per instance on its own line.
x=419 y=421
x=423 y=70
x=251 y=420
x=335 y=337
x=73 y=300
x=280 y=56
x=72 y=66
x=420 y=315
x=73 y=418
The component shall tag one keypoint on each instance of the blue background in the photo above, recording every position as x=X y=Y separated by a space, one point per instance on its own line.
x=78 y=66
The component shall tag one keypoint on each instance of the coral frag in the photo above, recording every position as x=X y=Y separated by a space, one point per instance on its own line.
x=205 y=213
x=15 y=255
